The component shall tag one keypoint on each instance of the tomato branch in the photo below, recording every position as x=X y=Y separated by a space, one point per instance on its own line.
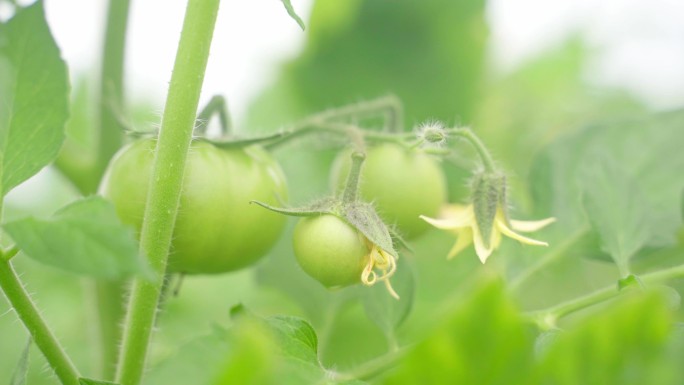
x=553 y=313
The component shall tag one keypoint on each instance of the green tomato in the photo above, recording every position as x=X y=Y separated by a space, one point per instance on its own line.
x=402 y=183
x=216 y=229
x=330 y=250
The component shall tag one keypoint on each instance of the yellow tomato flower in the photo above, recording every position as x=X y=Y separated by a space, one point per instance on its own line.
x=461 y=220
x=383 y=261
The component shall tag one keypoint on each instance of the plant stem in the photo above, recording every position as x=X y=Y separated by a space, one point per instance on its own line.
x=470 y=136
x=606 y=293
x=351 y=188
x=111 y=84
x=167 y=177
x=109 y=295
x=29 y=315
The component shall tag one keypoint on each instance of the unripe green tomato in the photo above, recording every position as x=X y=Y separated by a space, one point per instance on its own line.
x=402 y=183
x=330 y=250
x=216 y=229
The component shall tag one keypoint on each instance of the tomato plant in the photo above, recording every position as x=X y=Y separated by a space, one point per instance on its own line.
x=217 y=230
x=580 y=300
x=403 y=183
x=330 y=250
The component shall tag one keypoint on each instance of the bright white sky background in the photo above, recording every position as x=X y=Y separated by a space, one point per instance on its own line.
x=641 y=42
x=639 y=45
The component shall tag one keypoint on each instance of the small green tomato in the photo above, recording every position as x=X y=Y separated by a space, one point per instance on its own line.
x=402 y=183
x=330 y=250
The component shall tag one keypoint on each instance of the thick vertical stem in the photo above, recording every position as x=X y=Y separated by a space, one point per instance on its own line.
x=109 y=295
x=42 y=335
x=165 y=185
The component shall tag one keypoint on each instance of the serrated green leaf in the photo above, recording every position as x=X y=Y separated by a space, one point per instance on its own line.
x=620 y=346
x=276 y=350
x=295 y=337
x=293 y=14
x=85 y=237
x=34 y=90
x=648 y=154
x=87 y=381
x=485 y=342
x=385 y=311
x=19 y=376
x=617 y=208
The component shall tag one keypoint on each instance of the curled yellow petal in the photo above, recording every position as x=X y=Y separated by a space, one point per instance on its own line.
x=463 y=240
x=531 y=226
x=512 y=234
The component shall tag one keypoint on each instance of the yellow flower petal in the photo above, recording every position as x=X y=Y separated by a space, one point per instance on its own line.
x=530 y=226
x=481 y=250
x=511 y=234
x=463 y=240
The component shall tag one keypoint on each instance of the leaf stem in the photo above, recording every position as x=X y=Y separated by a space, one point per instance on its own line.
x=474 y=140
x=217 y=105
x=165 y=185
x=28 y=313
x=604 y=294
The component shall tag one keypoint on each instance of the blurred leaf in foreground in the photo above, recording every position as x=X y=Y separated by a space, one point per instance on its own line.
x=623 y=345
x=486 y=342
x=85 y=237
x=275 y=350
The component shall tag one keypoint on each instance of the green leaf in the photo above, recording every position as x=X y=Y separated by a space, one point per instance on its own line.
x=485 y=342
x=34 y=92
x=275 y=350
x=295 y=337
x=19 y=376
x=85 y=237
x=640 y=159
x=384 y=310
x=87 y=381
x=617 y=208
x=293 y=14
x=623 y=345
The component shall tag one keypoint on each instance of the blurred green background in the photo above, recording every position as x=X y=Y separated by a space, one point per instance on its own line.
x=544 y=124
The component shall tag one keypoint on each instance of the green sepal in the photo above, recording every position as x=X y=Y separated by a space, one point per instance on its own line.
x=489 y=193
x=363 y=217
x=321 y=207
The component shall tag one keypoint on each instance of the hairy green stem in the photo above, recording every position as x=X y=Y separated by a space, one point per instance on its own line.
x=475 y=141
x=351 y=188
x=167 y=177
x=563 y=309
x=29 y=315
